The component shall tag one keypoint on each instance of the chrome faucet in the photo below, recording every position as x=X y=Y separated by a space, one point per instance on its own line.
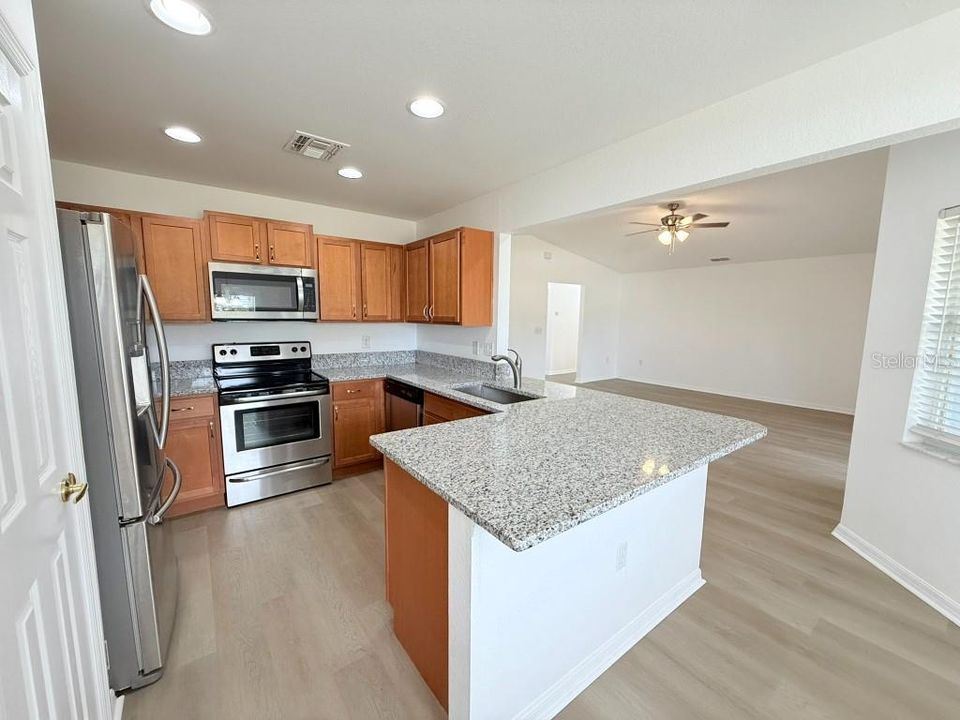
x=516 y=365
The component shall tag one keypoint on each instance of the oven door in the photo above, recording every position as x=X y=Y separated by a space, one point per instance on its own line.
x=254 y=292
x=275 y=431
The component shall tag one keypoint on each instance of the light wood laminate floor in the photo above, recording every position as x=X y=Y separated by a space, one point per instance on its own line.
x=283 y=615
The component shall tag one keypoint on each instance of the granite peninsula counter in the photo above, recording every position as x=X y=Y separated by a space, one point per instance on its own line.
x=528 y=549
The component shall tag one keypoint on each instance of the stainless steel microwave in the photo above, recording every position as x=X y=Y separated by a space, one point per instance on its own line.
x=262 y=292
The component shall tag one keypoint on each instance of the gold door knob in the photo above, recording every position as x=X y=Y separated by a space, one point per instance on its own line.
x=69 y=487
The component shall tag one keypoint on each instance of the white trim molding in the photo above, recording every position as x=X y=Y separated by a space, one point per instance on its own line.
x=939 y=601
x=562 y=692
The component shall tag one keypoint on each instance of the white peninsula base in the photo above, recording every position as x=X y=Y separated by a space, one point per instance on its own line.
x=528 y=631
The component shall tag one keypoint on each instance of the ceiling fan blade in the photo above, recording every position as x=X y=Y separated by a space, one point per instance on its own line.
x=692 y=219
x=641 y=232
x=634 y=222
x=708 y=225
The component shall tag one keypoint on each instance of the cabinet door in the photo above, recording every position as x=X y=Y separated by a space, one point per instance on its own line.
x=354 y=421
x=445 y=278
x=194 y=445
x=339 y=266
x=289 y=244
x=397 y=282
x=417 y=295
x=235 y=238
x=174 y=260
x=375 y=282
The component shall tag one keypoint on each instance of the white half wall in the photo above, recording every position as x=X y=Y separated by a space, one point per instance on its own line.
x=530 y=273
x=191 y=341
x=785 y=331
x=902 y=505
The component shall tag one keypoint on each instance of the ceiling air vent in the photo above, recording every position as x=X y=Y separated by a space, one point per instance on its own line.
x=719 y=259
x=314 y=146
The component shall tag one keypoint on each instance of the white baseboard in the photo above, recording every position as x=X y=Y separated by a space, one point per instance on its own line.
x=939 y=601
x=562 y=692
x=742 y=396
x=118 y=707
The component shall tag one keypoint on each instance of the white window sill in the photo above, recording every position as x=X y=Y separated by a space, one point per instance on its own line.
x=938 y=451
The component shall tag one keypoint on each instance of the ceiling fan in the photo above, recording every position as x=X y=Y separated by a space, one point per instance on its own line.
x=675 y=228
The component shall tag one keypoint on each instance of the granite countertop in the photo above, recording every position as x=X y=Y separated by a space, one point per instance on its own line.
x=535 y=469
x=182 y=387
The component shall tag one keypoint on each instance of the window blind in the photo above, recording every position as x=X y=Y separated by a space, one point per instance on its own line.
x=935 y=398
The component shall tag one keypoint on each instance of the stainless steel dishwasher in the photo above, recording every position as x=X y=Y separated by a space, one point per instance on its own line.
x=404 y=405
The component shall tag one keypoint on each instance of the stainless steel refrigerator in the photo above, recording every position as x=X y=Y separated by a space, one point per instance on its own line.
x=112 y=309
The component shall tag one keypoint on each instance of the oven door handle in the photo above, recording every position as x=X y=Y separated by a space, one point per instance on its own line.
x=278 y=396
x=270 y=473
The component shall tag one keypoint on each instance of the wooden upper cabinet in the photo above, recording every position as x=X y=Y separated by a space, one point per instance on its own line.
x=417 y=292
x=289 y=244
x=375 y=281
x=450 y=278
x=338 y=261
x=235 y=238
x=445 y=278
x=396 y=282
x=174 y=259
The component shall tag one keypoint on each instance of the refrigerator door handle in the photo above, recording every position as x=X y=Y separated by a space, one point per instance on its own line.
x=146 y=292
x=157 y=517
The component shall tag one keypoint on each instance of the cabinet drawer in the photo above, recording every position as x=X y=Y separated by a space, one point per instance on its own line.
x=441 y=407
x=193 y=406
x=357 y=390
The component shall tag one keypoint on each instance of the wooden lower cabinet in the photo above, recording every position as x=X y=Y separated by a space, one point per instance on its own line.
x=193 y=443
x=438 y=409
x=357 y=414
x=416 y=574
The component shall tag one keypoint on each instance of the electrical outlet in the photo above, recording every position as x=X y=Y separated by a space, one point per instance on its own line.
x=476 y=347
x=538 y=330
x=639 y=362
x=488 y=348
x=365 y=342
x=621 y=556
x=547 y=255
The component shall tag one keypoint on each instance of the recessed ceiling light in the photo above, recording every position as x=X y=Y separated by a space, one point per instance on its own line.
x=181 y=15
x=426 y=107
x=183 y=134
x=351 y=173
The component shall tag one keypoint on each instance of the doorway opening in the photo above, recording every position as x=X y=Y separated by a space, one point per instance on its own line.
x=563 y=331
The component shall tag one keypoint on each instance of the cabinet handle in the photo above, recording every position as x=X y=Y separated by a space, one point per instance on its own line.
x=273 y=253
x=354 y=311
x=364 y=309
x=256 y=250
x=183 y=409
x=431 y=312
x=425 y=316
x=352 y=391
x=336 y=413
x=211 y=428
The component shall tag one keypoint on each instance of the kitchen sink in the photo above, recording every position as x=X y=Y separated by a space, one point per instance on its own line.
x=494 y=393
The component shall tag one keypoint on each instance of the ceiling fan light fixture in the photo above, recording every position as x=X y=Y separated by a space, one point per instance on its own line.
x=682 y=235
x=665 y=237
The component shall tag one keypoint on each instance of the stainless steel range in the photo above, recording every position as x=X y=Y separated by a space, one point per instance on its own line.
x=275 y=420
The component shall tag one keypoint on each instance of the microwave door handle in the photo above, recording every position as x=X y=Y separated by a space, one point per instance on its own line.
x=300 y=293
x=160 y=433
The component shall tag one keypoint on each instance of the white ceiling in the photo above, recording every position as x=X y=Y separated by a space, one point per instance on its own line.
x=829 y=208
x=527 y=85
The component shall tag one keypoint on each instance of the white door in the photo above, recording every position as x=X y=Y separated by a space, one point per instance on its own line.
x=52 y=662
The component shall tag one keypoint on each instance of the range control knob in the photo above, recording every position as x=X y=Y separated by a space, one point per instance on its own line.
x=294 y=349
x=233 y=351
x=303 y=348
x=222 y=351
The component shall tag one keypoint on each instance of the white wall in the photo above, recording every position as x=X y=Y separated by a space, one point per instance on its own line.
x=563 y=327
x=786 y=331
x=600 y=307
x=190 y=341
x=901 y=505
